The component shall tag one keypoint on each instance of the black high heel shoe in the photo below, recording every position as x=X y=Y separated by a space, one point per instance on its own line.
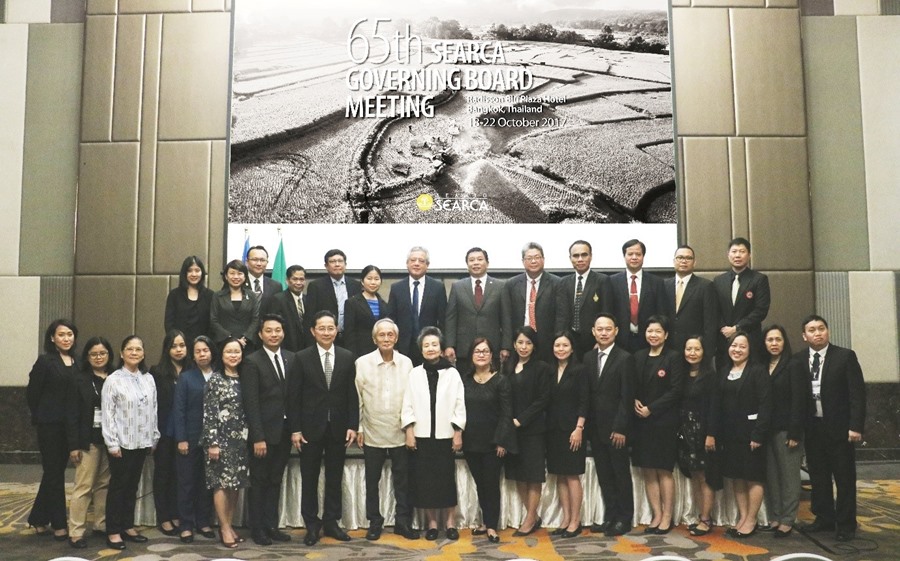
x=229 y=545
x=115 y=545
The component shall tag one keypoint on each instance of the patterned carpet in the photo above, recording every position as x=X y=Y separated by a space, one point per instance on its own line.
x=878 y=539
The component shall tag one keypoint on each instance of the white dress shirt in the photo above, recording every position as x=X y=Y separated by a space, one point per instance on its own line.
x=381 y=386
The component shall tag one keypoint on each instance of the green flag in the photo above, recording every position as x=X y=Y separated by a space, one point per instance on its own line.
x=279 y=269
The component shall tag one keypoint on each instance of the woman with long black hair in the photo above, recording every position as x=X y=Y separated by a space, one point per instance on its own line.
x=188 y=304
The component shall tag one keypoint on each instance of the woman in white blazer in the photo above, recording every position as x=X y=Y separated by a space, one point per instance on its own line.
x=434 y=416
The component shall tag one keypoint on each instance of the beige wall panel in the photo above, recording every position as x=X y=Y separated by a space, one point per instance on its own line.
x=227 y=5
x=879 y=80
x=107 y=209
x=740 y=209
x=703 y=87
x=153 y=6
x=104 y=305
x=873 y=319
x=681 y=3
x=21 y=300
x=182 y=183
x=731 y=3
x=768 y=72
x=779 y=203
x=14 y=73
x=194 y=76
x=782 y=3
x=149 y=125
x=97 y=93
x=98 y=7
x=27 y=11
x=218 y=196
x=50 y=169
x=149 y=314
x=208 y=5
x=837 y=180
x=857 y=8
x=793 y=298
x=707 y=200
x=128 y=80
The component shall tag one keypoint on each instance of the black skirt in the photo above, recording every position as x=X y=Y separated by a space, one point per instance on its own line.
x=655 y=445
x=433 y=473
x=528 y=465
x=739 y=462
x=561 y=460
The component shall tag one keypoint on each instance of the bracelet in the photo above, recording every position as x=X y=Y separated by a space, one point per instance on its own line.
x=579 y=427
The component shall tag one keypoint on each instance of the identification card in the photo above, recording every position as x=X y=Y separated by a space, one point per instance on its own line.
x=98 y=416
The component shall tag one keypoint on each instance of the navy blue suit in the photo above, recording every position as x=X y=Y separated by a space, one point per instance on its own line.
x=194 y=499
x=432 y=312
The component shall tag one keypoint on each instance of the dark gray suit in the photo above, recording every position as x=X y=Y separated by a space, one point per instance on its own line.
x=698 y=314
x=465 y=321
x=596 y=298
x=549 y=310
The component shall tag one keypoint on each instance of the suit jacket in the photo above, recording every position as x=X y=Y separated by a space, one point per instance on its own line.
x=165 y=397
x=466 y=322
x=270 y=286
x=80 y=411
x=358 y=323
x=192 y=318
x=750 y=308
x=320 y=295
x=611 y=407
x=652 y=301
x=596 y=298
x=752 y=419
x=449 y=409
x=789 y=395
x=531 y=395
x=187 y=410
x=548 y=308
x=311 y=402
x=264 y=396
x=698 y=314
x=432 y=312
x=48 y=388
x=843 y=391
x=296 y=331
x=225 y=321
x=659 y=388
x=568 y=398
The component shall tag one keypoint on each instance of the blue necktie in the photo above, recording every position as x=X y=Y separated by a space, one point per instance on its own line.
x=415 y=309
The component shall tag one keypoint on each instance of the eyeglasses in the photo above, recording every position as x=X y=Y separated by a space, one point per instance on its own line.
x=684 y=258
x=258 y=260
x=101 y=354
x=481 y=352
x=533 y=258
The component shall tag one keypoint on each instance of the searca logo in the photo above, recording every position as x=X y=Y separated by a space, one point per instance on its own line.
x=429 y=203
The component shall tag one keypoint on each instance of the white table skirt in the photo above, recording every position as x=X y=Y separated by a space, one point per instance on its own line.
x=468 y=515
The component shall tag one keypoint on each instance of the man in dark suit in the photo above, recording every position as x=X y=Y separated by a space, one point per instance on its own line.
x=692 y=305
x=291 y=305
x=744 y=298
x=476 y=308
x=323 y=416
x=585 y=295
x=611 y=372
x=415 y=302
x=331 y=292
x=263 y=286
x=837 y=417
x=534 y=300
x=264 y=388
x=636 y=297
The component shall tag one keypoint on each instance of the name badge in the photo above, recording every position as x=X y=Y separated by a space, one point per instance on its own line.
x=753 y=417
x=98 y=416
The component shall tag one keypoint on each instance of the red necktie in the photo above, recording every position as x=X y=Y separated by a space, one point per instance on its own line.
x=532 y=296
x=479 y=294
x=633 y=297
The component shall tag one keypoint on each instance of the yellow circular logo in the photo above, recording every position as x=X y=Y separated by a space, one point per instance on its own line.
x=424 y=202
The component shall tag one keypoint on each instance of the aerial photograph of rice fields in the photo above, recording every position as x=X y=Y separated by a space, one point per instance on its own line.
x=386 y=112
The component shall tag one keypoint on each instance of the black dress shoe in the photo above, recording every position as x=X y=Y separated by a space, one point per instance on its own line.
x=494 y=539
x=779 y=533
x=80 y=543
x=556 y=532
x=208 y=534
x=260 y=538
x=374 y=532
x=189 y=538
x=819 y=526
x=173 y=531
x=479 y=532
x=134 y=538
x=312 y=535
x=277 y=535
x=61 y=537
x=731 y=532
x=406 y=531
x=600 y=528
x=431 y=534
x=336 y=532
x=115 y=545
x=651 y=529
x=845 y=536
x=741 y=535
x=452 y=534
x=663 y=531
x=574 y=533
x=617 y=529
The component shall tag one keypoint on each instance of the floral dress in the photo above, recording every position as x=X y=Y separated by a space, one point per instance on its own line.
x=225 y=426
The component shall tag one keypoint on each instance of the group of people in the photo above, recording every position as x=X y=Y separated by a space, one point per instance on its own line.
x=519 y=375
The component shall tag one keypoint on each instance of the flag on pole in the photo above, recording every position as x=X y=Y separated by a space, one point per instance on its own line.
x=279 y=268
x=246 y=244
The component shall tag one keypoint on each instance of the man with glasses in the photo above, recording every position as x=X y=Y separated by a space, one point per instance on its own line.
x=692 y=305
x=331 y=292
x=257 y=261
x=415 y=302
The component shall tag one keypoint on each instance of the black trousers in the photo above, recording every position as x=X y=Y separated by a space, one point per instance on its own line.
x=374 y=460
x=485 y=468
x=266 y=475
x=194 y=499
x=50 y=501
x=332 y=450
x=165 y=484
x=830 y=459
x=614 y=475
x=124 y=478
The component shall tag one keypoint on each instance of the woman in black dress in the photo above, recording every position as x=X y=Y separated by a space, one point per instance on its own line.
x=531 y=392
x=489 y=435
x=234 y=311
x=784 y=450
x=693 y=458
x=165 y=374
x=362 y=311
x=49 y=383
x=739 y=426
x=434 y=416
x=655 y=442
x=188 y=304
x=566 y=413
